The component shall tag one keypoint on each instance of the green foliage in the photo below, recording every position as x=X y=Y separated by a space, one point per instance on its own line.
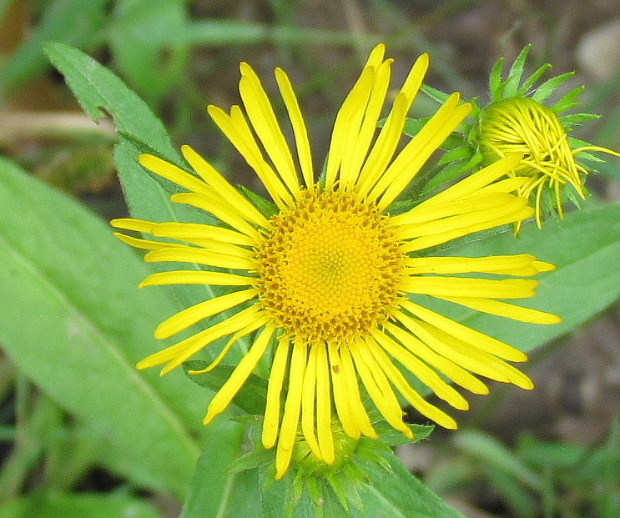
x=92 y=326
x=58 y=505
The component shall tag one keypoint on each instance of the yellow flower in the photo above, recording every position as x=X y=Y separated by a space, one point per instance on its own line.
x=524 y=125
x=331 y=283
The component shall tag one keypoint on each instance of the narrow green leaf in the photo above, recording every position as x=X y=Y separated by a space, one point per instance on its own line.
x=82 y=505
x=74 y=321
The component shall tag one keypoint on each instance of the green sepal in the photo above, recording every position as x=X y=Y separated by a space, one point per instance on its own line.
x=531 y=81
x=496 y=84
x=575 y=119
x=511 y=88
x=250 y=398
x=455 y=154
x=544 y=91
x=570 y=100
x=437 y=95
x=347 y=494
x=259 y=456
x=393 y=437
x=414 y=126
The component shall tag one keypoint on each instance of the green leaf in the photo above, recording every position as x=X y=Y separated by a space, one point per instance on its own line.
x=100 y=92
x=74 y=321
x=82 y=505
x=72 y=21
x=583 y=246
x=396 y=493
x=216 y=490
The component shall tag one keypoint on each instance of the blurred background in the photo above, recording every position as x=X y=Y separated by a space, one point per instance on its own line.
x=551 y=452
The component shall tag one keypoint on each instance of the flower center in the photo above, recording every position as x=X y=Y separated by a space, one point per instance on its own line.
x=330 y=267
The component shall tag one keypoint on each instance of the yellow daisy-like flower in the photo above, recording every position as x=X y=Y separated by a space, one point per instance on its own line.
x=330 y=284
x=524 y=125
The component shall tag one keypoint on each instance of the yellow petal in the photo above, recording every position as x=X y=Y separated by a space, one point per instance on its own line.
x=347 y=122
x=194 y=314
x=359 y=142
x=292 y=409
x=504 y=309
x=217 y=206
x=496 y=264
x=200 y=256
x=236 y=129
x=274 y=392
x=378 y=387
x=324 y=406
x=477 y=181
x=263 y=119
x=353 y=393
x=196 y=277
x=467 y=334
x=421 y=370
x=173 y=173
x=225 y=189
x=403 y=386
x=341 y=396
x=299 y=127
x=239 y=376
x=309 y=404
x=465 y=286
x=455 y=372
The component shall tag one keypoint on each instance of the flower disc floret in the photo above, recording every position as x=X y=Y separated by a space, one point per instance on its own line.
x=330 y=267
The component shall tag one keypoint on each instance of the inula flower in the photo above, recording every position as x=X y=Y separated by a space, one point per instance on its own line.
x=518 y=121
x=332 y=286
